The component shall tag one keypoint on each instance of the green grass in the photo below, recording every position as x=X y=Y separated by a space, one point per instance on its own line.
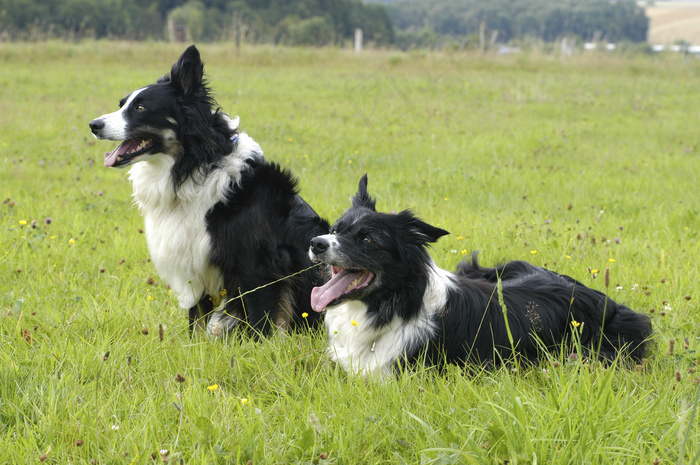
x=579 y=164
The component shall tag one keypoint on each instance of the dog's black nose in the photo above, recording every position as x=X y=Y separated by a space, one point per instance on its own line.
x=96 y=125
x=319 y=245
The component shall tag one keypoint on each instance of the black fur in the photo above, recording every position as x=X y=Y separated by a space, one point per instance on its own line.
x=262 y=233
x=468 y=322
x=543 y=304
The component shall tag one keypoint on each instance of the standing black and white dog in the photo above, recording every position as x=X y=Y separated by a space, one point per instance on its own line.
x=219 y=218
x=388 y=303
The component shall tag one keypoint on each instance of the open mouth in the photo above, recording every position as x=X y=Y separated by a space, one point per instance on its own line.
x=126 y=151
x=343 y=283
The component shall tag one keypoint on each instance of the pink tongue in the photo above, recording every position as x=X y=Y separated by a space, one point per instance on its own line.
x=336 y=287
x=111 y=157
x=124 y=147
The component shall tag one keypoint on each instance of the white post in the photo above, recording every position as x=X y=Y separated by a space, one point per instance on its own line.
x=358 y=40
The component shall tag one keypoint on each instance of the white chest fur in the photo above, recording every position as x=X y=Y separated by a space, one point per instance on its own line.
x=362 y=349
x=352 y=342
x=176 y=232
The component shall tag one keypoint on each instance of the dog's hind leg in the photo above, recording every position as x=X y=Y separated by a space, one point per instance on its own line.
x=199 y=314
x=263 y=311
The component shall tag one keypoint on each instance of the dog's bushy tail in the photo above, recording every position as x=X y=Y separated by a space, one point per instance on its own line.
x=472 y=270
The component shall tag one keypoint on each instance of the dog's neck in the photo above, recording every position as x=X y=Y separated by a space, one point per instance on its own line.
x=152 y=182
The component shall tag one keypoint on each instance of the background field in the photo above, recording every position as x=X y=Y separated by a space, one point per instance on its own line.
x=674 y=21
x=579 y=165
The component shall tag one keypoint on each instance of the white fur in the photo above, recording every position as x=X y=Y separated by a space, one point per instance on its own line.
x=362 y=349
x=176 y=233
x=115 y=123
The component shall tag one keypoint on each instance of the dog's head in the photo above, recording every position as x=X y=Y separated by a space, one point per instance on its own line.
x=159 y=118
x=370 y=253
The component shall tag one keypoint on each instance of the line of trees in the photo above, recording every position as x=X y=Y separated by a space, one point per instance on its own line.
x=311 y=22
x=321 y=22
x=548 y=20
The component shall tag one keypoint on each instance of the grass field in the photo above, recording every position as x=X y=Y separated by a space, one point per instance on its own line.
x=581 y=165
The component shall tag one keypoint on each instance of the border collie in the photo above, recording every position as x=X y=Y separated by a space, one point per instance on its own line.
x=219 y=219
x=387 y=303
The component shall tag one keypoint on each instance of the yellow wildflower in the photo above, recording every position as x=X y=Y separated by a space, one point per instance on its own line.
x=354 y=323
x=213 y=387
x=611 y=260
x=72 y=241
x=575 y=324
x=304 y=315
x=244 y=401
x=23 y=222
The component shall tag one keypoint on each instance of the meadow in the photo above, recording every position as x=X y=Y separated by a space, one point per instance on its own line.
x=581 y=164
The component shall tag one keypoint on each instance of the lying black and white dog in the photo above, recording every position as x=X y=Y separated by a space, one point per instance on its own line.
x=220 y=220
x=388 y=303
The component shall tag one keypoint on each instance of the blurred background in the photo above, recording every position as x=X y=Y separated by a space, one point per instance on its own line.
x=500 y=26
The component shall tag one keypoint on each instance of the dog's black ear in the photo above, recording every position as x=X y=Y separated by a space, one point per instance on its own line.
x=188 y=73
x=362 y=198
x=421 y=230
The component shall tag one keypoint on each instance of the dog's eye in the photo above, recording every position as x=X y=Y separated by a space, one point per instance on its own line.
x=367 y=239
x=140 y=107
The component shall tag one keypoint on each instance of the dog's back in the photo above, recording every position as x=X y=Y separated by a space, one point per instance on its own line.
x=553 y=306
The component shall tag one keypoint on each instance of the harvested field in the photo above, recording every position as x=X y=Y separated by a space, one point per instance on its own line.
x=673 y=21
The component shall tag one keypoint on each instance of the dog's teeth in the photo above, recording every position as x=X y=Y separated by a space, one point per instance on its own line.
x=353 y=284
x=144 y=143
